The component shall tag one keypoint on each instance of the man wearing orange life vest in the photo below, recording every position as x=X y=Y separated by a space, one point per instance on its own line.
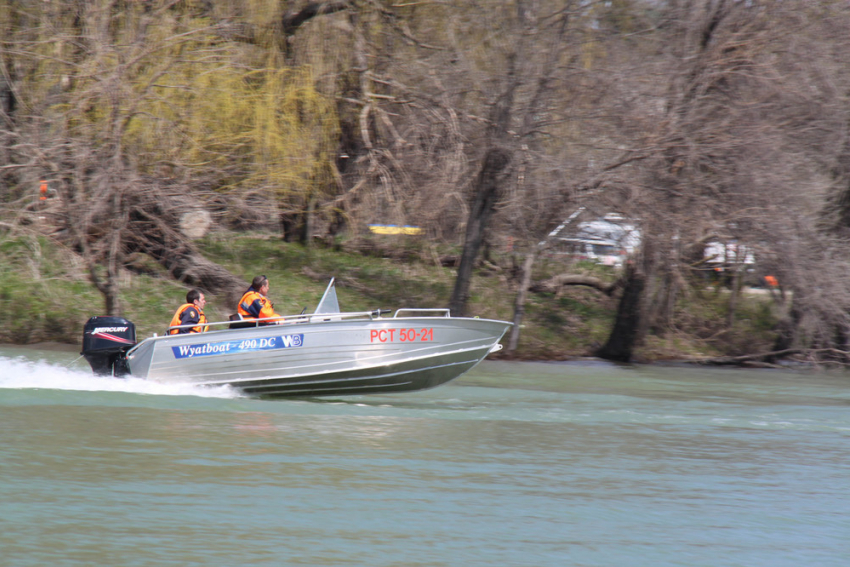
x=254 y=303
x=190 y=313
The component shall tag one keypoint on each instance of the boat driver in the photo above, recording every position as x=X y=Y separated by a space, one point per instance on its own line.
x=255 y=303
x=190 y=313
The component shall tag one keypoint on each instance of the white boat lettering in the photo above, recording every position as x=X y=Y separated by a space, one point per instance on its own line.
x=188 y=351
x=253 y=344
x=291 y=340
x=99 y=330
x=231 y=347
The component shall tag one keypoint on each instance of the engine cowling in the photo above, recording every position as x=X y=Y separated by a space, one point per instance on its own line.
x=106 y=341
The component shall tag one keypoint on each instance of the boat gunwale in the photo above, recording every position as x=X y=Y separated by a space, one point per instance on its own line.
x=312 y=319
x=373 y=315
x=317 y=325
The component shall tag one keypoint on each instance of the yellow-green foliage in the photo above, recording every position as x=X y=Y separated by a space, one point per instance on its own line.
x=264 y=127
x=166 y=90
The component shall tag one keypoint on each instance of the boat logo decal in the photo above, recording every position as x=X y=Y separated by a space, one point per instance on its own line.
x=232 y=347
x=106 y=333
x=102 y=330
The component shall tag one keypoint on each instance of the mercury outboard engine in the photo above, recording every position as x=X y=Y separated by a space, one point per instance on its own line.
x=106 y=341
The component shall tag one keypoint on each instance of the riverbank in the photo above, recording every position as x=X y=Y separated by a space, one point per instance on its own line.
x=45 y=295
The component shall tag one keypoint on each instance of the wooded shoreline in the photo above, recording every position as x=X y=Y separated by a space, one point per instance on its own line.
x=718 y=130
x=561 y=324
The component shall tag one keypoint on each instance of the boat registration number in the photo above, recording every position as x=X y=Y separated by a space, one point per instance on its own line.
x=401 y=335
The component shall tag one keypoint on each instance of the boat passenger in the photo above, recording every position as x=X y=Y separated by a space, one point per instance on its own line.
x=191 y=312
x=255 y=303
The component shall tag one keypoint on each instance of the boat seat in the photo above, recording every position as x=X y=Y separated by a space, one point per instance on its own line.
x=239 y=322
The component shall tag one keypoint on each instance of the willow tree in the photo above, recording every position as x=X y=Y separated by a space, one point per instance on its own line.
x=75 y=84
x=137 y=111
x=294 y=125
x=264 y=130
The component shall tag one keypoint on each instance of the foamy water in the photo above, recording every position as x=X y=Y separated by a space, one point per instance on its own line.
x=19 y=373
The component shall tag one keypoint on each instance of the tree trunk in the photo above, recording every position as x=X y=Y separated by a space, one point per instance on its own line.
x=111 y=289
x=112 y=297
x=309 y=218
x=734 y=293
x=112 y=260
x=191 y=267
x=289 y=226
x=521 y=298
x=186 y=264
x=624 y=335
x=787 y=330
x=487 y=192
x=555 y=283
x=153 y=216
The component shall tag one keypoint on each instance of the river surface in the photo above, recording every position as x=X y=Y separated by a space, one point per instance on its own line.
x=514 y=464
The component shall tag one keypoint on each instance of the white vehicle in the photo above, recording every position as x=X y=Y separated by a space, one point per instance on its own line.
x=605 y=252
x=731 y=253
x=613 y=227
x=607 y=241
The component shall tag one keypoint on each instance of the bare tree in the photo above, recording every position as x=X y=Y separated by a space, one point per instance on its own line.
x=735 y=141
x=78 y=130
x=702 y=119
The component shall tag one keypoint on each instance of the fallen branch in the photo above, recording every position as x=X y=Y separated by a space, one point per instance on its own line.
x=841 y=357
x=555 y=283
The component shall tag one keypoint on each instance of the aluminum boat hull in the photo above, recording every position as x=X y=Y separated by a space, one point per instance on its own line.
x=323 y=355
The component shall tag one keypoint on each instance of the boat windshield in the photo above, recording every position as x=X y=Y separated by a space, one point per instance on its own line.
x=329 y=303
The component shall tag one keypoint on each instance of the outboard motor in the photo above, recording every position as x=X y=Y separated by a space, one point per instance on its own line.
x=106 y=341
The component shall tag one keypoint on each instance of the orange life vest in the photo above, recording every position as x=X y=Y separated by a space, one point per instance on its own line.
x=254 y=306
x=177 y=320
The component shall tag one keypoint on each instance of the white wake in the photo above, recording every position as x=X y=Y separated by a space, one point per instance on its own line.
x=20 y=374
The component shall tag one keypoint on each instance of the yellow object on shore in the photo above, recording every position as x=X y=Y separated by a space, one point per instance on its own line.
x=394 y=229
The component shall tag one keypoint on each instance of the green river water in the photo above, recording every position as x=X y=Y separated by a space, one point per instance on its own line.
x=514 y=464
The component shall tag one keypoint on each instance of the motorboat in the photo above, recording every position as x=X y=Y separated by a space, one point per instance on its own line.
x=324 y=353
